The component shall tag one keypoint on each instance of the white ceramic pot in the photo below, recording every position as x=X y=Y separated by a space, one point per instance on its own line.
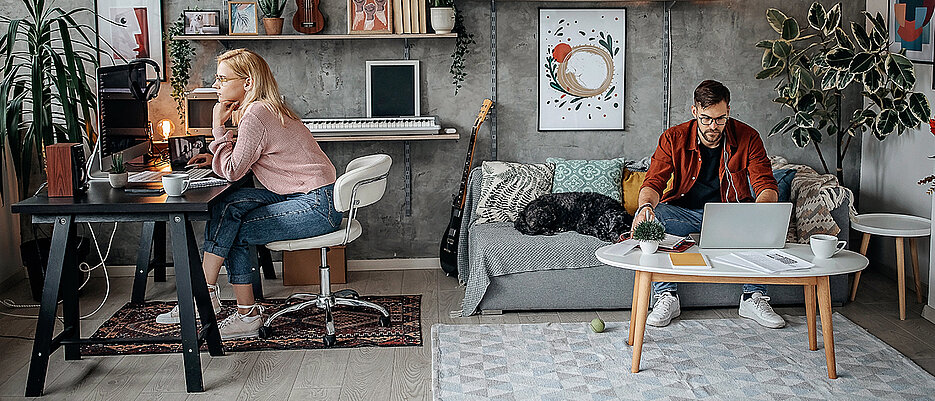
x=649 y=247
x=443 y=19
x=118 y=180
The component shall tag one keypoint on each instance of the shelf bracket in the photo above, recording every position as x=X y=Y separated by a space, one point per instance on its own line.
x=407 y=178
x=406 y=47
x=492 y=115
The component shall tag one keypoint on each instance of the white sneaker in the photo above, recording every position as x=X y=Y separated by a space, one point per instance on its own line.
x=666 y=308
x=240 y=326
x=172 y=316
x=757 y=308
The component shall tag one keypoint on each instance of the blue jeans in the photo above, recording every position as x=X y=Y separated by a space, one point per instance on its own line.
x=683 y=221
x=256 y=216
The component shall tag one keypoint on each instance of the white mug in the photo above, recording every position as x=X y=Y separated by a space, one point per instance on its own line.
x=175 y=184
x=825 y=246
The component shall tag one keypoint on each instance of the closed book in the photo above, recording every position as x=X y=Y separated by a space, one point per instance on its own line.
x=414 y=14
x=423 y=28
x=397 y=16
x=407 y=19
x=689 y=260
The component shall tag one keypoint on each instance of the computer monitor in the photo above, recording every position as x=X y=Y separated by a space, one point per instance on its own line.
x=123 y=119
x=199 y=106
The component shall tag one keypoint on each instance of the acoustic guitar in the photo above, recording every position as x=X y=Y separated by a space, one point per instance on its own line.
x=448 y=255
x=308 y=18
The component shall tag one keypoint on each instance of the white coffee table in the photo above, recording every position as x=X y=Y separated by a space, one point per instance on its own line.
x=656 y=267
x=900 y=226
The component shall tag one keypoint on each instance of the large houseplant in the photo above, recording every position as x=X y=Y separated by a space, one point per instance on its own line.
x=45 y=96
x=816 y=62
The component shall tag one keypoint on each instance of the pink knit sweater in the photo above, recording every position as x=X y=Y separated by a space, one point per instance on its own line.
x=285 y=160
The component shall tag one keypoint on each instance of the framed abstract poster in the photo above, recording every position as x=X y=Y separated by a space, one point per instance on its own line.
x=243 y=18
x=369 y=16
x=580 y=69
x=131 y=29
x=910 y=26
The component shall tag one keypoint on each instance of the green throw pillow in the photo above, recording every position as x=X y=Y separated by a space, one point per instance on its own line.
x=600 y=176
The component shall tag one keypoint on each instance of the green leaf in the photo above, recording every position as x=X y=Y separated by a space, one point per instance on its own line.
x=829 y=80
x=899 y=70
x=833 y=19
x=801 y=137
x=769 y=60
x=765 y=44
x=842 y=38
x=780 y=125
x=886 y=122
x=878 y=22
x=861 y=37
x=804 y=120
x=771 y=72
x=775 y=19
x=782 y=49
x=844 y=79
x=814 y=134
x=807 y=103
x=873 y=79
x=861 y=63
x=906 y=118
x=919 y=106
x=806 y=80
x=790 y=29
x=840 y=58
x=816 y=15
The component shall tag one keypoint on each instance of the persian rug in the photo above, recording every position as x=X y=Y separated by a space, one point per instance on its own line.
x=712 y=359
x=303 y=329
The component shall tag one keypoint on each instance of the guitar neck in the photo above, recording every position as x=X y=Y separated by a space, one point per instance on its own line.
x=459 y=200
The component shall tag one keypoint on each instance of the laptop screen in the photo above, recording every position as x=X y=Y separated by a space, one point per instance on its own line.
x=184 y=148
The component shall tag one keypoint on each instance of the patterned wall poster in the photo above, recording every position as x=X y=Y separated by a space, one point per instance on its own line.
x=910 y=26
x=581 y=66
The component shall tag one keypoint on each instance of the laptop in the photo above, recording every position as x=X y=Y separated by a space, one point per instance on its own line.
x=183 y=148
x=745 y=225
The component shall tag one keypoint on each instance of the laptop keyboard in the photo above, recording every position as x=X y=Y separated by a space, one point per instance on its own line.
x=156 y=176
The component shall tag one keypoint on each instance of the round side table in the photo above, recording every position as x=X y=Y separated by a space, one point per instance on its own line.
x=900 y=226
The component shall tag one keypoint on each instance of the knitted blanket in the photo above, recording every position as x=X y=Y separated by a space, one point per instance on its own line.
x=816 y=195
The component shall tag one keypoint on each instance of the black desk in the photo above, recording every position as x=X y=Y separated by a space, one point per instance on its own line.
x=105 y=204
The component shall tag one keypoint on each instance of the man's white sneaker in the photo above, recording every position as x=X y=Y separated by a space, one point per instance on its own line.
x=172 y=316
x=666 y=308
x=757 y=308
x=240 y=326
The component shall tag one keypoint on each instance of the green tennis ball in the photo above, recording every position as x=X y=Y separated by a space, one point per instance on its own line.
x=597 y=325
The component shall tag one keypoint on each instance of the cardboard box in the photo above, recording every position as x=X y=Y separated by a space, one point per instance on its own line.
x=302 y=267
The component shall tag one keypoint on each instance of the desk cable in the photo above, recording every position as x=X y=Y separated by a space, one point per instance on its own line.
x=84 y=267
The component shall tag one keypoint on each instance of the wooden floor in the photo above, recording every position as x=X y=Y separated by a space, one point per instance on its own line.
x=351 y=374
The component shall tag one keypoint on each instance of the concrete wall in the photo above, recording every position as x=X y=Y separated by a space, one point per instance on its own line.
x=711 y=39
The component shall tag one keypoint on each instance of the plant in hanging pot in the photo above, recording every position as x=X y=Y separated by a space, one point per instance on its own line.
x=118 y=175
x=272 y=9
x=443 y=16
x=649 y=233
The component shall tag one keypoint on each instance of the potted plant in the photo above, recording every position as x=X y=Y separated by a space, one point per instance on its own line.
x=649 y=233
x=181 y=53
x=817 y=62
x=464 y=40
x=443 y=16
x=118 y=171
x=272 y=9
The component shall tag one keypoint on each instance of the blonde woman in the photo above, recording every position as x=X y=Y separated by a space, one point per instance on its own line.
x=285 y=158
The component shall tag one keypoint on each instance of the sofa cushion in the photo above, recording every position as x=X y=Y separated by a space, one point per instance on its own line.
x=631 y=183
x=784 y=178
x=600 y=176
x=507 y=187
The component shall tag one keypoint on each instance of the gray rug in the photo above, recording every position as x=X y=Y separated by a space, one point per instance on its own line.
x=690 y=359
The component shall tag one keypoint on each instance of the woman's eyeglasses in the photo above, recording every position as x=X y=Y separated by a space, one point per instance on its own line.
x=223 y=80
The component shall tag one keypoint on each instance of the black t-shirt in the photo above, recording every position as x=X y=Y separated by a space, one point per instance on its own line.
x=707 y=187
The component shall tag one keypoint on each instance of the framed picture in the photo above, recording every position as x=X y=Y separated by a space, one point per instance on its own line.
x=130 y=29
x=202 y=22
x=910 y=26
x=581 y=66
x=243 y=18
x=370 y=16
x=393 y=88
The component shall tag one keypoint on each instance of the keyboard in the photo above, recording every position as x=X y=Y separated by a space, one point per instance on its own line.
x=156 y=176
x=208 y=182
x=373 y=126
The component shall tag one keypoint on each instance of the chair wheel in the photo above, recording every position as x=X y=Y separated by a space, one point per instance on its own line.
x=347 y=293
x=384 y=321
x=266 y=332
x=329 y=340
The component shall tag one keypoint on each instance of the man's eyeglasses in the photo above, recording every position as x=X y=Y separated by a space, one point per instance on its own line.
x=705 y=120
x=223 y=80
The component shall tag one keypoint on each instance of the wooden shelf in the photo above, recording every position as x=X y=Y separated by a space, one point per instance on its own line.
x=317 y=37
x=361 y=138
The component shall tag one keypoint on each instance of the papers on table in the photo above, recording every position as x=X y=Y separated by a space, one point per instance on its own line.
x=770 y=261
x=623 y=247
x=671 y=241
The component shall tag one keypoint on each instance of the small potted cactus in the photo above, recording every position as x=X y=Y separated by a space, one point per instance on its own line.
x=118 y=172
x=272 y=10
x=649 y=233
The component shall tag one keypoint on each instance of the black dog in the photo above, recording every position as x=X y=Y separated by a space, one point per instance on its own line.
x=588 y=213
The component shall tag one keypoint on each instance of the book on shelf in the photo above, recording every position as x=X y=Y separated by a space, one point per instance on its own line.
x=397 y=16
x=406 y=16
x=414 y=15
x=423 y=27
x=689 y=260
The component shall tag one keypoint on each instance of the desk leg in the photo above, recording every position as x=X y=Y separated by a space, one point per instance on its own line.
x=864 y=244
x=257 y=279
x=810 y=316
x=159 y=256
x=901 y=276
x=62 y=234
x=183 y=282
x=266 y=260
x=645 y=290
x=143 y=262
x=209 y=320
x=827 y=331
x=634 y=306
x=914 y=254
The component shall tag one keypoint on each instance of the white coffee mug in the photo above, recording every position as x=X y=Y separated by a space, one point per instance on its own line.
x=175 y=184
x=825 y=246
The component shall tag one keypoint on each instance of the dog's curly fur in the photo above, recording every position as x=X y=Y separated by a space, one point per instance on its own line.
x=587 y=213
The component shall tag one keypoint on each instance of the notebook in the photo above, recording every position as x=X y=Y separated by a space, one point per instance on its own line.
x=689 y=260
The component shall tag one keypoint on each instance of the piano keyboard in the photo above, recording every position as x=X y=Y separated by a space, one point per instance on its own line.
x=373 y=126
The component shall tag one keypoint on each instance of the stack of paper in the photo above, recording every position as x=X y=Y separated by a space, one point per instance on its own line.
x=770 y=262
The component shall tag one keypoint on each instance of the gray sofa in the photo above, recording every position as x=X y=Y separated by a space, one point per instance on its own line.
x=504 y=270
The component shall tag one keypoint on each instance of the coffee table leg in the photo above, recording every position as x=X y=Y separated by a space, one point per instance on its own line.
x=633 y=306
x=901 y=276
x=810 y=316
x=643 y=304
x=827 y=331
x=863 y=251
x=914 y=254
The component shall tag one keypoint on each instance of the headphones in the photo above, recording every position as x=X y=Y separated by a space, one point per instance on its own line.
x=730 y=182
x=142 y=88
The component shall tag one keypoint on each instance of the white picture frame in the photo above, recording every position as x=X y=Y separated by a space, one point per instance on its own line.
x=388 y=83
x=581 y=64
x=119 y=25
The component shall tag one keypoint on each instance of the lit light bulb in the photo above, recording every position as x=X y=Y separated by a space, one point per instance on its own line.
x=166 y=127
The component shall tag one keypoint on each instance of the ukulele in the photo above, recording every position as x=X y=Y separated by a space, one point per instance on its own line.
x=448 y=254
x=308 y=18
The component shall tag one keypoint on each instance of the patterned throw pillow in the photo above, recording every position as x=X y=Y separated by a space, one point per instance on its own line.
x=506 y=188
x=601 y=176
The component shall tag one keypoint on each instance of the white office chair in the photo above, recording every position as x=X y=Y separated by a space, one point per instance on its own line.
x=361 y=185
